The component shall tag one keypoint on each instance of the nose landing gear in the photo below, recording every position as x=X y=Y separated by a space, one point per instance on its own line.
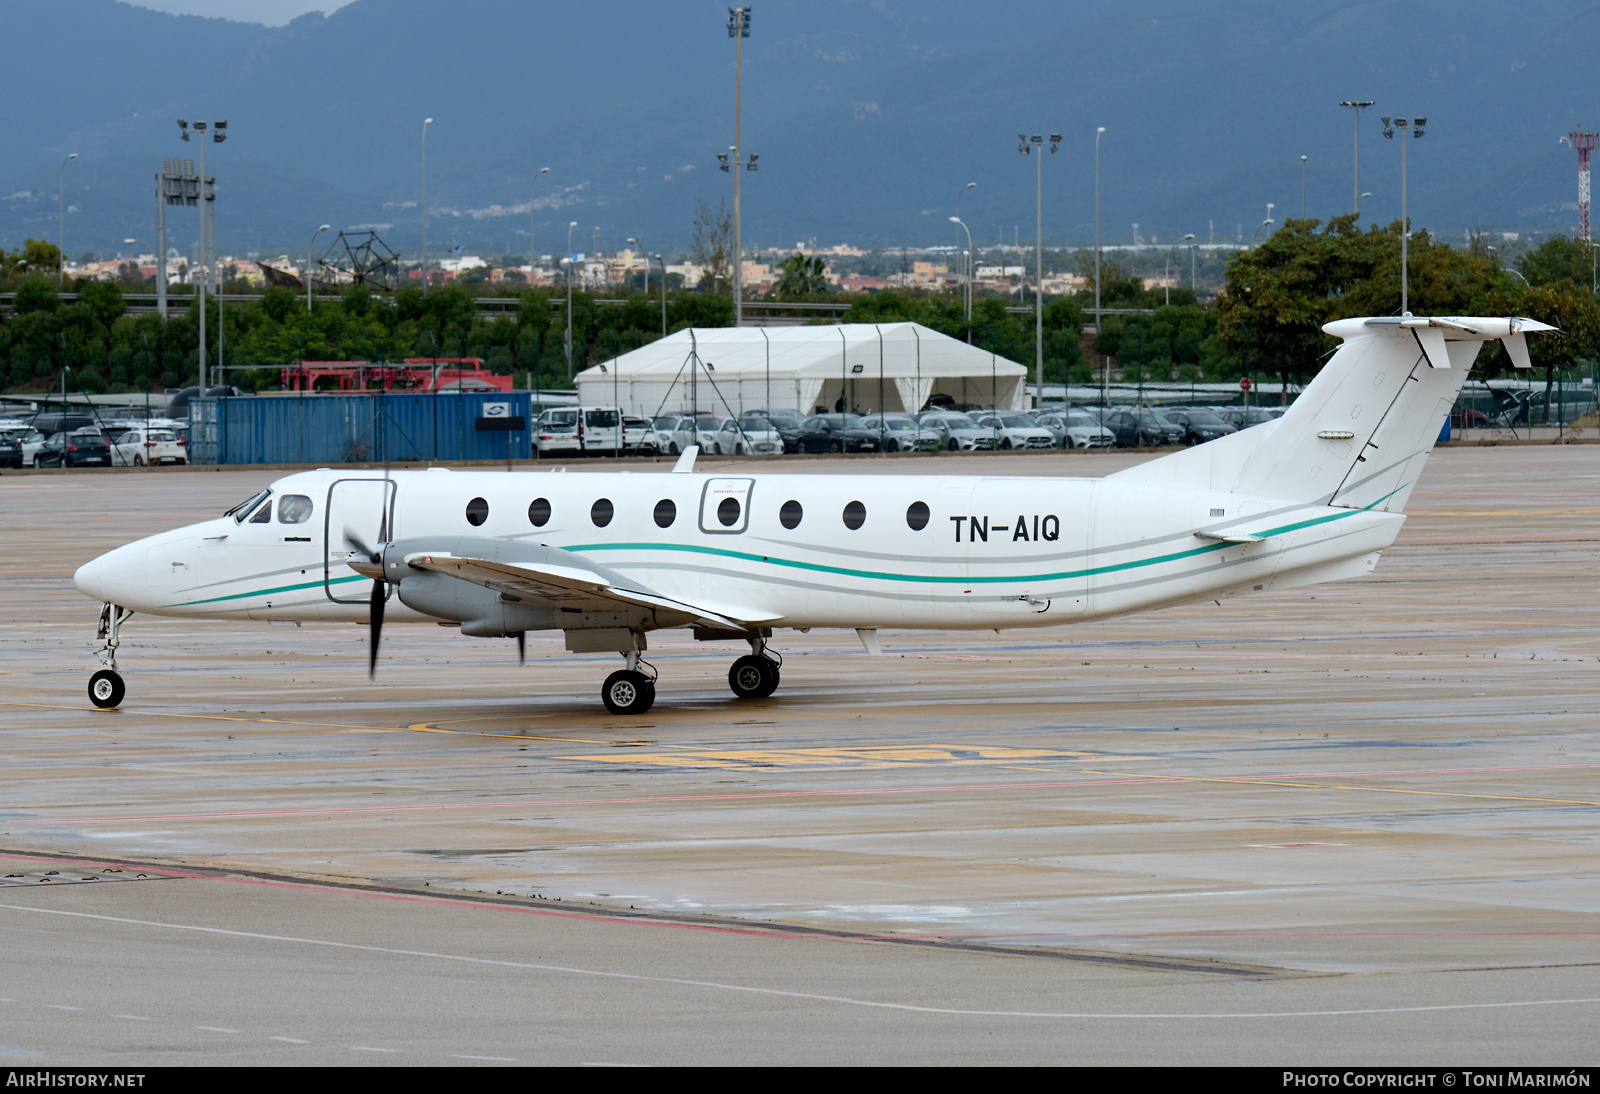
x=106 y=688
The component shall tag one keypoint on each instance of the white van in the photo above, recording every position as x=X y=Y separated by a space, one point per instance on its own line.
x=579 y=431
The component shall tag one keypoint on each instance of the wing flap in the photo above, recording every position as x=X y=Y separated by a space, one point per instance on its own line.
x=567 y=586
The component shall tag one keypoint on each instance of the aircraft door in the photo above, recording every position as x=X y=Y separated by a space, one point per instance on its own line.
x=366 y=508
x=725 y=506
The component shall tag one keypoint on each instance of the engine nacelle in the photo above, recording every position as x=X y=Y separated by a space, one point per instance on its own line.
x=483 y=612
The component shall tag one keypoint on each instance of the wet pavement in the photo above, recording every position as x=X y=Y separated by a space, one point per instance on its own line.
x=1394 y=774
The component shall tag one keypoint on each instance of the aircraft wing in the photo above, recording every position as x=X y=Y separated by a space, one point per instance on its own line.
x=567 y=586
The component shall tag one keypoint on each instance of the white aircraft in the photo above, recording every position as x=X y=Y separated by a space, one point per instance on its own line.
x=1313 y=496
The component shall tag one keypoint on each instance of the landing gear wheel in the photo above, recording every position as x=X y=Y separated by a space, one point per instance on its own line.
x=628 y=692
x=753 y=677
x=106 y=689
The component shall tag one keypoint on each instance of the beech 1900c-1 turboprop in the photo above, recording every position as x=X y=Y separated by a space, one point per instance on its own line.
x=1313 y=496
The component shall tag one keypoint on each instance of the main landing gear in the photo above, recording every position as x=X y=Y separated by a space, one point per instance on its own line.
x=629 y=691
x=106 y=688
x=755 y=676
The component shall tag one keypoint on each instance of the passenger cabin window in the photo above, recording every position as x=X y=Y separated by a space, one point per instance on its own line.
x=601 y=512
x=477 y=511
x=666 y=513
x=855 y=515
x=539 y=512
x=917 y=516
x=293 y=509
x=789 y=516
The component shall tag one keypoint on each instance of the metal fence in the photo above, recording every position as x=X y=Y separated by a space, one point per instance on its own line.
x=357 y=427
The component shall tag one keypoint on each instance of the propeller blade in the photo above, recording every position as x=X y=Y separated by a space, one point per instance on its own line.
x=522 y=647
x=378 y=591
x=358 y=543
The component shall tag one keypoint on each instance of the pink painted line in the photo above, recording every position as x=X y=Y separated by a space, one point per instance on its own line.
x=1417 y=771
x=773 y=795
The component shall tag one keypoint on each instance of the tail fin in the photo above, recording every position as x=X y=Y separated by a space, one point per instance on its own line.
x=1362 y=429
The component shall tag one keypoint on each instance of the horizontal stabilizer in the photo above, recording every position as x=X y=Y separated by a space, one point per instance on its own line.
x=1229 y=535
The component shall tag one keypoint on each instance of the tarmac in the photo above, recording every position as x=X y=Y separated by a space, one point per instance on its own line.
x=1117 y=842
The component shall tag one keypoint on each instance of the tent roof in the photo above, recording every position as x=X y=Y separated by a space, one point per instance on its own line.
x=908 y=349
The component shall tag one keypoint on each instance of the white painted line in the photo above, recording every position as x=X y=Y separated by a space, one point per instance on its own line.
x=364 y=1048
x=289 y=1040
x=216 y=1029
x=787 y=994
x=61 y=1006
x=500 y=1059
x=134 y=1017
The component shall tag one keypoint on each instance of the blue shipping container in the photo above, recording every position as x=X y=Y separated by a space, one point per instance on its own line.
x=357 y=427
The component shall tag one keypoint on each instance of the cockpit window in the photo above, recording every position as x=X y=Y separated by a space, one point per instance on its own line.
x=294 y=509
x=263 y=515
x=243 y=509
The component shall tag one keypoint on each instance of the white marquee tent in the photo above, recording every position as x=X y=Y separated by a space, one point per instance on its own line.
x=729 y=370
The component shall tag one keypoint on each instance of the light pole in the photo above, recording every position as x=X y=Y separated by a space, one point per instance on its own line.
x=533 y=252
x=1026 y=146
x=738 y=30
x=61 y=235
x=218 y=133
x=314 y=236
x=633 y=241
x=131 y=242
x=1106 y=375
x=1302 y=187
x=568 y=261
x=1415 y=126
x=663 y=292
x=1257 y=232
x=1358 y=105
x=425 y=123
x=1170 y=249
x=968 y=294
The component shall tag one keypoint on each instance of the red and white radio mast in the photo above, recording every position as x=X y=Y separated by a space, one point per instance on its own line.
x=1583 y=143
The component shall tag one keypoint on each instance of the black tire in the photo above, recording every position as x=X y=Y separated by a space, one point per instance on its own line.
x=106 y=689
x=837 y=447
x=752 y=677
x=1006 y=444
x=628 y=692
x=953 y=445
x=894 y=446
x=672 y=449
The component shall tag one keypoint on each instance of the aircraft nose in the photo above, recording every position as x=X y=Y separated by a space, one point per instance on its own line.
x=102 y=578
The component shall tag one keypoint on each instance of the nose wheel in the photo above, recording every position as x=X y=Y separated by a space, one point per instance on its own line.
x=628 y=692
x=106 y=689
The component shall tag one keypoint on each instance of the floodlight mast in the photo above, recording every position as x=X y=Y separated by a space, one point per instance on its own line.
x=966 y=295
x=1358 y=105
x=61 y=236
x=309 y=246
x=1026 y=145
x=218 y=132
x=425 y=123
x=1415 y=126
x=738 y=30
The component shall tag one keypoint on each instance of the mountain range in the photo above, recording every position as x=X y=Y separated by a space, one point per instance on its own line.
x=868 y=117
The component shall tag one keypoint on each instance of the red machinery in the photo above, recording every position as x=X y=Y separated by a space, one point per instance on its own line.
x=414 y=374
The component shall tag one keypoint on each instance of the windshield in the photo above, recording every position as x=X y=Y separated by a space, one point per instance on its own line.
x=785 y=419
x=1079 y=418
x=755 y=425
x=1018 y=421
x=242 y=510
x=897 y=424
x=958 y=421
x=1201 y=416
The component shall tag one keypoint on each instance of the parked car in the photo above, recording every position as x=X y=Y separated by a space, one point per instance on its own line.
x=80 y=448
x=780 y=419
x=600 y=430
x=1199 y=424
x=1138 y=426
x=556 y=433
x=1016 y=430
x=638 y=436
x=747 y=436
x=958 y=431
x=1243 y=417
x=830 y=433
x=903 y=433
x=53 y=423
x=138 y=447
x=27 y=442
x=1075 y=429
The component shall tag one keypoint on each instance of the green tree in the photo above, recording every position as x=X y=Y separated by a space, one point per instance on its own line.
x=801 y=276
x=1559 y=259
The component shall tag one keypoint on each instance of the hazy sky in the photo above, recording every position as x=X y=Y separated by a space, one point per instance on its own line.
x=274 y=13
